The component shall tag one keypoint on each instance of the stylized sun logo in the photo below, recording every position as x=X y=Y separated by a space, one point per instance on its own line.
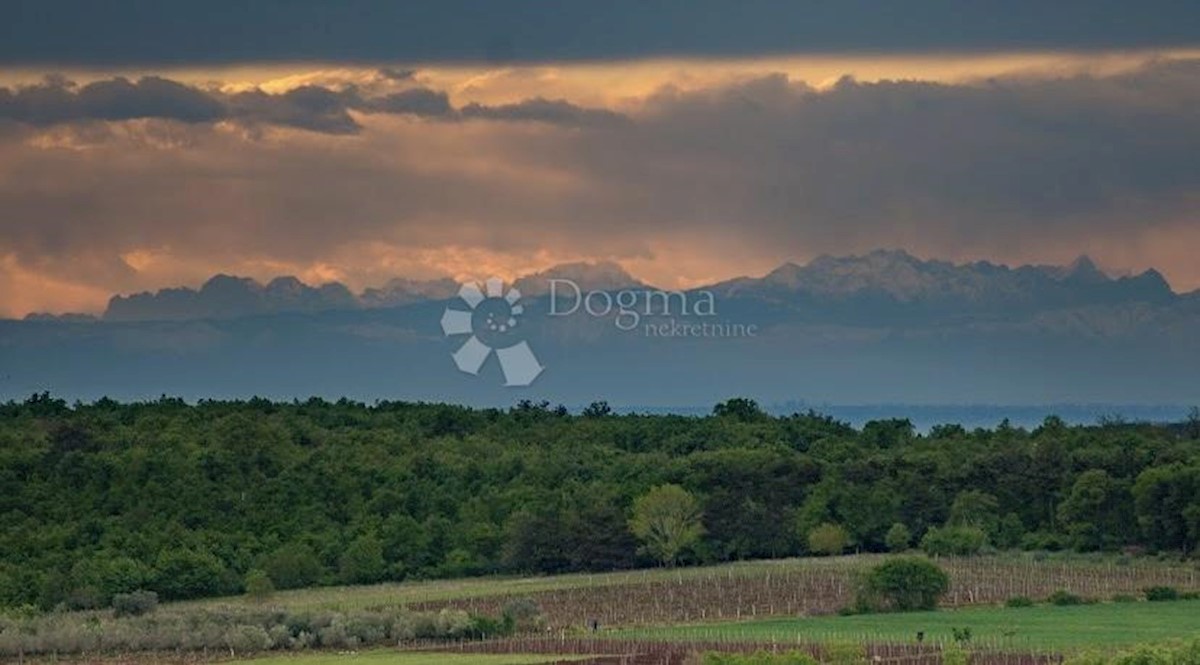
x=493 y=322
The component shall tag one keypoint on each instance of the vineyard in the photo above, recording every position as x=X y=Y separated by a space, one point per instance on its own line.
x=667 y=616
x=819 y=587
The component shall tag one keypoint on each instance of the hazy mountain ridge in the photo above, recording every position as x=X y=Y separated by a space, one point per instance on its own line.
x=228 y=297
x=898 y=278
x=881 y=283
x=884 y=327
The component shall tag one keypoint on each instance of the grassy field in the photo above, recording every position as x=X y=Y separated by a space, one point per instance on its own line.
x=1043 y=627
x=388 y=657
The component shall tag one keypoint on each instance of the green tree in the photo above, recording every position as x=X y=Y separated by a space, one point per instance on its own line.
x=1097 y=511
x=953 y=540
x=362 y=561
x=1167 y=500
x=739 y=408
x=898 y=538
x=293 y=566
x=975 y=508
x=188 y=573
x=667 y=520
x=828 y=539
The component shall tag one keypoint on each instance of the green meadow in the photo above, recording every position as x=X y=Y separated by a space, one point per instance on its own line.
x=1042 y=627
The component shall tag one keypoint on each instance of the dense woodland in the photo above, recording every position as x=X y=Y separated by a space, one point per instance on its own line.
x=198 y=500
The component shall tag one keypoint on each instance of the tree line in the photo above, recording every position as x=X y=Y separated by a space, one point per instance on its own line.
x=194 y=500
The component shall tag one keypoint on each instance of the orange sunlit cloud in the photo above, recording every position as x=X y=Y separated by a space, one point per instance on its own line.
x=730 y=173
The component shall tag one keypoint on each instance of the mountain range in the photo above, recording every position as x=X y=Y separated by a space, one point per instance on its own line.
x=884 y=327
x=873 y=284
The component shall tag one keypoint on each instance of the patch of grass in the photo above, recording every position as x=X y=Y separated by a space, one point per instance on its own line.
x=1037 y=628
x=387 y=657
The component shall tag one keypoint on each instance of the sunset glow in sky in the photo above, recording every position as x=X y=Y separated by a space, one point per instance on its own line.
x=685 y=168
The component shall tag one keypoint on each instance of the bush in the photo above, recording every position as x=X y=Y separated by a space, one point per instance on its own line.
x=844 y=653
x=1159 y=593
x=828 y=539
x=523 y=615
x=1123 y=598
x=247 y=638
x=134 y=604
x=1064 y=597
x=904 y=584
x=1019 y=601
x=953 y=540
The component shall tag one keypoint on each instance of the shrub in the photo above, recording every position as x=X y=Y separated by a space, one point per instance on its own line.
x=523 y=615
x=904 y=584
x=898 y=538
x=134 y=604
x=1064 y=597
x=1019 y=601
x=953 y=654
x=1158 y=593
x=953 y=540
x=452 y=623
x=828 y=539
x=844 y=653
x=1123 y=598
x=246 y=638
x=483 y=627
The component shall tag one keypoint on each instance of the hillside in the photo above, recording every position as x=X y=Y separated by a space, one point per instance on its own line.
x=187 y=500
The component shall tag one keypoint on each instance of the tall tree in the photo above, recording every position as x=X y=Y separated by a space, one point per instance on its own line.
x=667 y=521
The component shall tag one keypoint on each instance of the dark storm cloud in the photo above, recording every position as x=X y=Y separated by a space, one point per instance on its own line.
x=556 y=112
x=222 y=31
x=58 y=100
x=416 y=101
x=308 y=107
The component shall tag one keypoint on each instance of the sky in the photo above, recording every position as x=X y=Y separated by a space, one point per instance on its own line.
x=146 y=145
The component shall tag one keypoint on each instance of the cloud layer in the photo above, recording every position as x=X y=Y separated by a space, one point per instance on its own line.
x=133 y=184
x=310 y=107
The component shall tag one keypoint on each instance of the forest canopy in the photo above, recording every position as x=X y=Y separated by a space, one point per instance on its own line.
x=192 y=500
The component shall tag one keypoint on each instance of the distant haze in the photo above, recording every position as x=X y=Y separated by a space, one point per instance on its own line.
x=879 y=328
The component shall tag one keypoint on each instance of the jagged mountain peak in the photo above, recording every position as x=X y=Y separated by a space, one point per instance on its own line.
x=588 y=275
x=1083 y=269
x=899 y=277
